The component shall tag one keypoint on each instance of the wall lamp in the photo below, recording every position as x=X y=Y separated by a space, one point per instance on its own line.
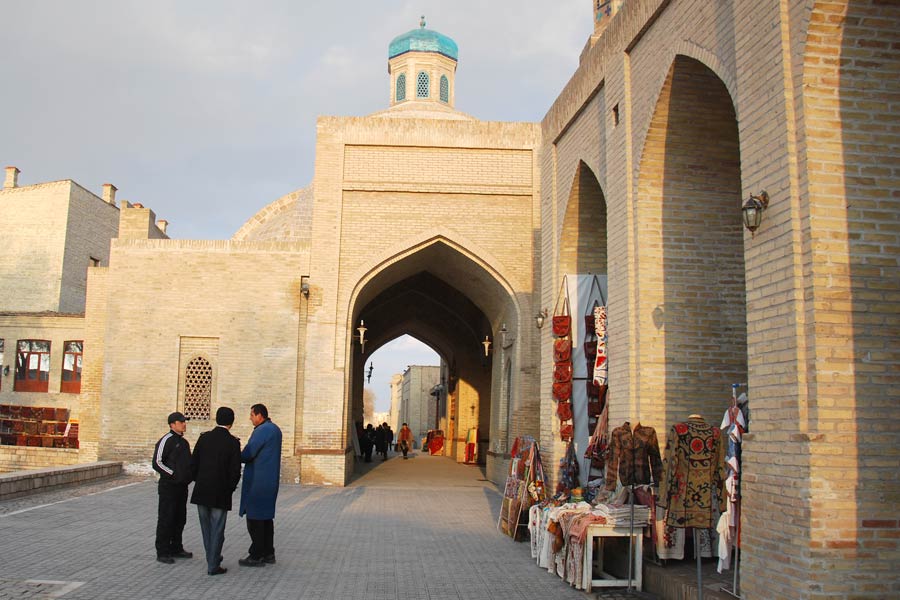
x=362 y=335
x=6 y=371
x=304 y=286
x=487 y=346
x=753 y=209
x=540 y=318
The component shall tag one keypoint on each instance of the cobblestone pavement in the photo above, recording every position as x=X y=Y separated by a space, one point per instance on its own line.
x=420 y=529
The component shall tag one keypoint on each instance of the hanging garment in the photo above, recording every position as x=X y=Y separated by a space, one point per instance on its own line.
x=726 y=541
x=733 y=427
x=601 y=368
x=634 y=457
x=568 y=470
x=695 y=474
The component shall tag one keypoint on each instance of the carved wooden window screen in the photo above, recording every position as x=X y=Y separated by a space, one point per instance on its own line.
x=198 y=379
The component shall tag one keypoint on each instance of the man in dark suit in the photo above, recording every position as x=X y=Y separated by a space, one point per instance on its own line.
x=216 y=466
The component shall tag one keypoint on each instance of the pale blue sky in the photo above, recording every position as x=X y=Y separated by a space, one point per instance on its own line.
x=205 y=111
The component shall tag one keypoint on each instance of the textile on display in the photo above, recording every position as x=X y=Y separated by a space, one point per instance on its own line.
x=634 y=457
x=734 y=425
x=695 y=474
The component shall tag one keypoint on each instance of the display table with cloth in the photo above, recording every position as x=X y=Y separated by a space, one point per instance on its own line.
x=592 y=572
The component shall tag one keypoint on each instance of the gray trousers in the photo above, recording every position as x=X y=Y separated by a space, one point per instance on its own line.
x=212 y=526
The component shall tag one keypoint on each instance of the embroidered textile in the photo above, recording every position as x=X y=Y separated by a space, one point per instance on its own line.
x=695 y=474
x=634 y=457
x=733 y=428
x=601 y=367
x=669 y=540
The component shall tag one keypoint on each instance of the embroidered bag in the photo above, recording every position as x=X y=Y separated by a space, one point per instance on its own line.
x=565 y=432
x=562 y=320
x=562 y=390
x=562 y=349
x=564 y=410
x=562 y=372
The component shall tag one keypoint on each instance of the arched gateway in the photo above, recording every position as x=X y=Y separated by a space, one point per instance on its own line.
x=423 y=222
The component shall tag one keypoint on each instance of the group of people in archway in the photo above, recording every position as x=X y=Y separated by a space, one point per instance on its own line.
x=378 y=438
x=381 y=439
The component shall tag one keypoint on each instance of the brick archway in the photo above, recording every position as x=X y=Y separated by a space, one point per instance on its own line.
x=440 y=294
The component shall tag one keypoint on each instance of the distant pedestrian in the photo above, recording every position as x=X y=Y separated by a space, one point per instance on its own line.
x=389 y=436
x=405 y=438
x=216 y=469
x=368 y=442
x=260 y=487
x=381 y=441
x=172 y=460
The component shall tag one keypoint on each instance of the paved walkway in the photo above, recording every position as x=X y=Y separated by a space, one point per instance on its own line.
x=423 y=528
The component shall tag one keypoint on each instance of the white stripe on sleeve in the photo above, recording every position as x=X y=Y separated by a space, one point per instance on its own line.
x=159 y=452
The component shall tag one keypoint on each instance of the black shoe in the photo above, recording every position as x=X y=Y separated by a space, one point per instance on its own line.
x=182 y=554
x=269 y=560
x=251 y=562
x=219 y=571
x=165 y=559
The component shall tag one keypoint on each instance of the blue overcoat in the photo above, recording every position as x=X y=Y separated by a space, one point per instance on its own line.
x=262 y=456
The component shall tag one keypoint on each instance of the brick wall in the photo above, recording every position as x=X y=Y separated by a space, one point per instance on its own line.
x=92 y=223
x=157 y=292
x=33 y=226
x=18 y=458
x=57 y=329
x=809 y=83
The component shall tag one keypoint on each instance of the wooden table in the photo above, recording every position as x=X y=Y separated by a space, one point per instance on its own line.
x=604 y=579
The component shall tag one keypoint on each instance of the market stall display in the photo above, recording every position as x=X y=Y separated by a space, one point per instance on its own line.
x=524 y=487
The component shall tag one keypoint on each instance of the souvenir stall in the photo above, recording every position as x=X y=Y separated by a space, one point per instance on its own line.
x=524 y=487
x=614 y=486
x=571 y=531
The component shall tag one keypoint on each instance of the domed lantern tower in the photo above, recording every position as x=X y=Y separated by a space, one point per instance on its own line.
x=422 y=66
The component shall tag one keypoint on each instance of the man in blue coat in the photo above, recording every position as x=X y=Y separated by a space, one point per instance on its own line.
x=262 y=455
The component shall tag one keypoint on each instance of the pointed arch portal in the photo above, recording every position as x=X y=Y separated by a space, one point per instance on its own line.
x=442 y=297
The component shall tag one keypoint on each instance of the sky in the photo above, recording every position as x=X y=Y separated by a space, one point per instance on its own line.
x=205 y=111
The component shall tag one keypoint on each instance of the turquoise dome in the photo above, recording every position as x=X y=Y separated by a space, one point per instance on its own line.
x=423 y=40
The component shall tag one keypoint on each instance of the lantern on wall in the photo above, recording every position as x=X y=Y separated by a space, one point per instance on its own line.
x=362 y=335
x=753 y=209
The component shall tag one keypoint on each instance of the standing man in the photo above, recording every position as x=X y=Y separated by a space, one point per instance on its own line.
x=216 y=469
x=405 y=439
x=260 y=487
x=389 y=435
x=172 y=460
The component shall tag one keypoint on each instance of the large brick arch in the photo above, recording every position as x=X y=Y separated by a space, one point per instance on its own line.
x=406 y=248
x=456 y=279
x=689 y=248
x=582 y=247
x=705 y=56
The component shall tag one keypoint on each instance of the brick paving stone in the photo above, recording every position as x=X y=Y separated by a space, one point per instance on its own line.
x=421 y=529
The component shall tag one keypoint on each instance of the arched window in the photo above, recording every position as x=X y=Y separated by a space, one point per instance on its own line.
x=400 y=93
x=422 y=85
x=445 y=89
x=198 y=378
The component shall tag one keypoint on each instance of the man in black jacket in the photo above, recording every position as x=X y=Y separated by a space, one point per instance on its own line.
x=216 y=469
x=172 y=460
